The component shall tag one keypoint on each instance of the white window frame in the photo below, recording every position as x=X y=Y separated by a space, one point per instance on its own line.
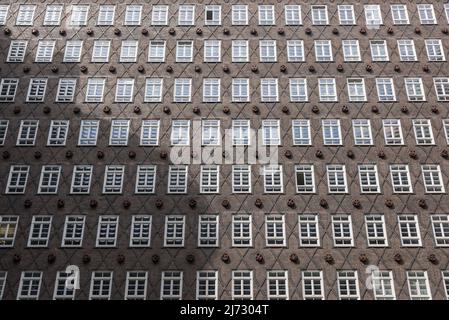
x=17 y=179
x=400 y=178
x=81 y=179
x=418 y=285
x=241 y=179
x=242 y=285
x=277 y=285
x=331 y=132
x=73 y=231
x=312 y=280
x=207 y=285
x=342 y=233
x=174 y=231
x=362 y=132
x=107 y=231
x=146 y=179
x=88 y=132
x=8 y=226
x=101 y=285
x=17 y=51
x=432 y=178
x=336 y=178
x=66 y=90
x=305 y=178
x=27 y=133
x=40 y=230
x=423 y=131
x=171 y=281
x=440 y=227
x=275 y=230
x=177 y=179
x=273 y=179
x=210 y=179
x=49 y=179
x=376 y=233
x=136 y=285
x=58 y=132
x=119 y=133
x=113 y=179
x=409 y=230
x=348 y=285
x=140 y=234
x=29 y=285
x=368 y=178
x=393 y=131
x=208 y=231
x=242 y=230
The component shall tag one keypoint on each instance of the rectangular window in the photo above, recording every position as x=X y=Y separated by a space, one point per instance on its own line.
x=446 y=129
x=186 y=15
x=79 y=15
x=136 y=285
x=240 y=132
x=210 y=179
x=211 y=90
x=8 y=230
x=39 y=231
x=28 y=130
x=379 y=51
x=305 y=178
x=100 y=51
x=301 y=132
x=73 y=232
x=81 y=179
x=206 y=285
x=153 y=90
x=3 y=16
x=212 y=15
x=208 y=231
x=362 y=131
x=25 y=16
x=440 y=226
x=171 y=285
x=400 y=178
x=177 y=179
x=446 y=273
x=323 y=50
x=426 y=14
x=369 y=179
x=267 y=51
x=275 y=230
x=356 y=89
x=342 y=231
x=266 y=15
x=210 y=132
x=393 y=131
x=113 y=179
x=29 y=285
x=415 y=89
x=101 y=285
x=174 y=231
x=273 y=180
x=66 y=90
x=95 y=89
x=125 y=90
x=240 y=90
x=373 y=15
x=327 y=90
x=239 y=15
x=441 y=88
x=433 y=180
x=293 y=15
x=145 y=179
x=409 y=230
x=348 y=285
x=53 y=15
x=240 y=51
x=133 y=15
x=435 y=51
x=119 y=133
x=156 y=51
x=17 y=179
x=159 y=15
x=312 y=285
x=128 y=52
x=180 y=133
x=107 y=231
x=423 y=131
x=418 y=285
x=242 y=285
x=399 y=14
x=331 y=132
x=3 y=130
x=383 y=285
x=351 y=50
x=88 y=132
x=184 y=51
x=269 y=90
x=149 y=135
x=407 y=50
x=140 y=235
x=62 y=291
x=271 y=132
x=49 y=180
x=182 y=90
x=242 y=231
x=385 y=89
x=309 y=232
x=346 y=15
x=295 y=51
x=73 y=49
x=336 y=178
x=106 y=15
x=376 y=234
x=44 y=51
x=212 y=51
x=319 y=15
x=57 y=134
x=36 y=90
x=241 y=179
x=277 y=285
x=17 y=50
